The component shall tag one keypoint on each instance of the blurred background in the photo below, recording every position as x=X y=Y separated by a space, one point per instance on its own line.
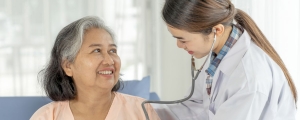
x=28 y=29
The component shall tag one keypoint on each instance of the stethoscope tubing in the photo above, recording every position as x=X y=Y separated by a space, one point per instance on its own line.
x=175 y=101
x=193 y=85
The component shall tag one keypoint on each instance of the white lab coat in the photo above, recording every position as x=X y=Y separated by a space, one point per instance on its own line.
x=248 y=85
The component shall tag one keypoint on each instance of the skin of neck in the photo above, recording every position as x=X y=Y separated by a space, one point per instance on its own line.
x=221 y=37
x=91 y=104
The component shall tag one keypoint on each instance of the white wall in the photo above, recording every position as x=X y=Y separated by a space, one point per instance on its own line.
x=169 y=65
x=175 y=66
x=173 y=76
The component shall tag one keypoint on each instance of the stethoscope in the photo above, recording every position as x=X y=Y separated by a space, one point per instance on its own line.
x=193 y=68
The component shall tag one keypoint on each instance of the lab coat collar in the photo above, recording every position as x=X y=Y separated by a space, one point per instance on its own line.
x=235 y=54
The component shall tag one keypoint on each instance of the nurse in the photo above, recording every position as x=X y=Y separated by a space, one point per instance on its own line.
x=243 y=79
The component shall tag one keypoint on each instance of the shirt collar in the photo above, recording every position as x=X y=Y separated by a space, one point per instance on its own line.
x=235 y=55
x=236 y=32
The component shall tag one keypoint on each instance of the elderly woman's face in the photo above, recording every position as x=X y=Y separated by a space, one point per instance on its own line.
x=97 y=64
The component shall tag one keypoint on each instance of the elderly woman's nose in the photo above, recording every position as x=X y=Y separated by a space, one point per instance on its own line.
x=108 y=60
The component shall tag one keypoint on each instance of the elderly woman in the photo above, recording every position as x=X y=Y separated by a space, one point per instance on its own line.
x=82 y=77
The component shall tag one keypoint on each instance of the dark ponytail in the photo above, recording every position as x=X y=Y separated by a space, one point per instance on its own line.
x=261 y=41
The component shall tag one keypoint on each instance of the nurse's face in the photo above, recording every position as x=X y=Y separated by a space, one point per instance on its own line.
x=97 y=64
x=196 y=44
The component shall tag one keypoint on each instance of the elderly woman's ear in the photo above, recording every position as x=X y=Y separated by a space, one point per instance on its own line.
x=66 y=65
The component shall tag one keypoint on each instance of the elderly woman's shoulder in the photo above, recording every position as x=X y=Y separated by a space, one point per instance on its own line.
x=128 y=98
x=47 y=111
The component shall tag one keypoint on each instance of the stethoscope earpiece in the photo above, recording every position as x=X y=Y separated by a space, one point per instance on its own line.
x=214 y=30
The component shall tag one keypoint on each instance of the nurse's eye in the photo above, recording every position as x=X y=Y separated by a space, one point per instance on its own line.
x=182 y=41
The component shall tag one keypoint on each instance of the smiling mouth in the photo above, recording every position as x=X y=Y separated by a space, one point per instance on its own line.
x=106 y=72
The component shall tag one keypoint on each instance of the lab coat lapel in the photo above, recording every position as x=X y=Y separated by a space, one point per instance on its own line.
x=215 y=78
x=235 y=54
x=231 y=59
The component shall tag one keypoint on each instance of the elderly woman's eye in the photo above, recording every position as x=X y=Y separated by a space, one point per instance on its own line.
x=96 y=50
x=113 y=51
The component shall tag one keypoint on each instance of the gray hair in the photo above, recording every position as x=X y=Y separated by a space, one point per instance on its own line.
x=59 y=86
x=71 y=36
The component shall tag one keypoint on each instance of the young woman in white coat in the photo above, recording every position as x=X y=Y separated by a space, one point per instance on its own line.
x=243 y=79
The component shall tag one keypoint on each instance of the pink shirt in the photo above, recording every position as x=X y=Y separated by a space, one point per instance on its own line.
x=124 y=107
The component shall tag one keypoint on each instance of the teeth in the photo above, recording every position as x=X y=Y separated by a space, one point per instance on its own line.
x=105 y=72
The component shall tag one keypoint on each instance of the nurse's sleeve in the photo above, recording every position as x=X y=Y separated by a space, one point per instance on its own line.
x=286 y=104
x=241 y=106
x=191 y=109
x=255 y=105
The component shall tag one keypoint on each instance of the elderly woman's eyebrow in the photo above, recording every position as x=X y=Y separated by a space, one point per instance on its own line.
x=113 y=45
x=100 y=45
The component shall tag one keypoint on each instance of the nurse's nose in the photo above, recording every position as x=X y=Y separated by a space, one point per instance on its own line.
x=180 y=44
x=108 y=60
